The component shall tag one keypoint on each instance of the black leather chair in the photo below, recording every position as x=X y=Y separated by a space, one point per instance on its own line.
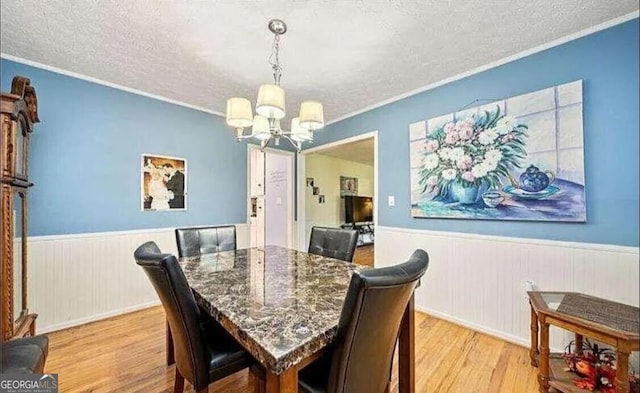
x=333 y=242
x=204 y=351
x=193 y=242
x=359 y=359
x=24 y=355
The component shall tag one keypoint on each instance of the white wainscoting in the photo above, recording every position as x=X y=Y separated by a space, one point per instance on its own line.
x=479 y=281
x=74 y=279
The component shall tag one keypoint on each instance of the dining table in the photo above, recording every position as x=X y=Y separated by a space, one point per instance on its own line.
x=283 y=307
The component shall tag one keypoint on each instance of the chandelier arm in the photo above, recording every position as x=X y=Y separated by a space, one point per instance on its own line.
x=295 y=144
x=264 y=144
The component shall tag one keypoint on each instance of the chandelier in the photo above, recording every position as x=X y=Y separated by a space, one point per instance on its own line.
x=270 y=107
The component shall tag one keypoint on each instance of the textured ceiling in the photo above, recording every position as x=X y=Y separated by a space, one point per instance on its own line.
x=347 y=54
x=359 y=151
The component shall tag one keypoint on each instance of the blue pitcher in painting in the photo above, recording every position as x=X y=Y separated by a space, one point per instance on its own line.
x=534 y=180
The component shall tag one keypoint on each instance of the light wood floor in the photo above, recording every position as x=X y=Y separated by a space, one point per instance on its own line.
x=364 y=255
x=126 y=354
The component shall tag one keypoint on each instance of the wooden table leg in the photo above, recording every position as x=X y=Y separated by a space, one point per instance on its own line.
x=533 y=351
x=406 y=350
x=171 y=359
x=622 y=371
x=543 y=374
x=287 y=382
x=578 y=344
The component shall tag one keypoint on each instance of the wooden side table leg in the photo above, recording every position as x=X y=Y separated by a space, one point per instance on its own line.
x=543 y=375
x=578 y=343
x=622 y=371
x=533 y=351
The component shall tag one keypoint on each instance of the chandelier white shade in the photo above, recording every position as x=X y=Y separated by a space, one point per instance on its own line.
x=270 y=102
x=311 y=116
x=239 y=112
x=270 y=107
x=298 y=133
x=260 y=128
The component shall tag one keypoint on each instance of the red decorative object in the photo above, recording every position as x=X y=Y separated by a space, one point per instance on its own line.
x=596 y=368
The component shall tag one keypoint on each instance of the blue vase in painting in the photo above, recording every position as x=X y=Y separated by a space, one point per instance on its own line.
x=467 y=193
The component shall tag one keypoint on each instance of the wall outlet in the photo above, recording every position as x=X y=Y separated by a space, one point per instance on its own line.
x=529 y=286
x=392 y=200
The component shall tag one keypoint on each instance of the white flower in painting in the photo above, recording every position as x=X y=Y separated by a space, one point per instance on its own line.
x=506 y=124
x=449 y=174
x=464 y=163
x=445 y=153
x=490 y=165
x=487 y=137
x=456 y=154
x=431 y=161
x=479 y=170
x=431 y=145
x=451 y=138
x=493 y=156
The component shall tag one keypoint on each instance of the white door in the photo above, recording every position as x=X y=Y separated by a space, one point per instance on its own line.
x=270 y=197
x=278 y=199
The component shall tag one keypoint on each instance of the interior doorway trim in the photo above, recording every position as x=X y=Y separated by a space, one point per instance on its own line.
x=302 y=182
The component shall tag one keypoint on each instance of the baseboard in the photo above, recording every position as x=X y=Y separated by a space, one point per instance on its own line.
x=97 y=317
x=478 y=328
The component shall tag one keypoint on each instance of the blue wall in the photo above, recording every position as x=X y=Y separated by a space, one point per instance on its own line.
x=608 y=63
x=86 y=153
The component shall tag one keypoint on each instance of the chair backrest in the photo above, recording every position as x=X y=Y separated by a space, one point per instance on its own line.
x=181 y=309
x=193 y=242
x=369 y=325
x=333 y=242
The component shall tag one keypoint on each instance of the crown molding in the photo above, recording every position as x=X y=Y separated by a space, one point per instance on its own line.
x=105 y=83
x=497 y=63
x=517 y=56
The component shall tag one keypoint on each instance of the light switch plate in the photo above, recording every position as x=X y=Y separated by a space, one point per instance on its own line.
x=392 y=200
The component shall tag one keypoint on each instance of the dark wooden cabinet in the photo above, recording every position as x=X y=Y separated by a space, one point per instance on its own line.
x=19 y=113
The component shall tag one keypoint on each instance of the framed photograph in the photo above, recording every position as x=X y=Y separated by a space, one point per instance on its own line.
x=309 y=181
x=348 y=186
x=163 y=183
x=321 y=199
x=316 y=190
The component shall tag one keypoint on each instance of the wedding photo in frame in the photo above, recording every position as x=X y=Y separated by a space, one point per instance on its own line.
x=163 y=183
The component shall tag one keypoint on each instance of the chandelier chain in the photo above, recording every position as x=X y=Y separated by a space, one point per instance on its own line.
x=274 y=59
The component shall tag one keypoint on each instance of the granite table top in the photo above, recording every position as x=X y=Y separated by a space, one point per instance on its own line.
x=282 y=305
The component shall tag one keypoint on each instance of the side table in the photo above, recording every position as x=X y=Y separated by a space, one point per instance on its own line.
x=612 y=323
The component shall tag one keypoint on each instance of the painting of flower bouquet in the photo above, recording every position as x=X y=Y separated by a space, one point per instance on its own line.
x=516 y=159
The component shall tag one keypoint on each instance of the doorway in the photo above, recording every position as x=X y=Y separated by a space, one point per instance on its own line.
x=270 y=202
x=338 y=187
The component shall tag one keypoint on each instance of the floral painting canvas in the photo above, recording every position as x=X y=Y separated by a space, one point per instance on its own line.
x=520 y=158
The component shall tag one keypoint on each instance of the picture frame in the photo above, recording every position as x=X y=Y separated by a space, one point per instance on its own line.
x=348 y=185
x=163 y=183
x=316 y=190
x=518 y=158
x=309 y=181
